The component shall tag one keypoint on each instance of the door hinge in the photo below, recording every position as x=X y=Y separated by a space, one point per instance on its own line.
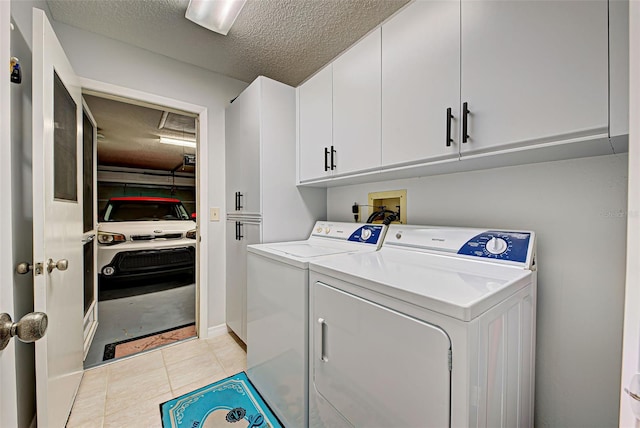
x=450 y=356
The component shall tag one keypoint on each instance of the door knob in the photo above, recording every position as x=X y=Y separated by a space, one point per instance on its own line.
x=61 y=264
x=24 y=268
x=30 y=328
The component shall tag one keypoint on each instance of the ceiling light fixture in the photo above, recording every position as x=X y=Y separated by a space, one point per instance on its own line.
x=216 y=15
x=177 y=142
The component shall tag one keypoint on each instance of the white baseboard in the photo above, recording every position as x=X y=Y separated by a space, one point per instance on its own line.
x=217 y=330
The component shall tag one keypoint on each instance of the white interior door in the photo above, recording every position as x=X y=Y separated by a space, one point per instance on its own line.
x=630 y=391
x=8 y=404
x=57 y=224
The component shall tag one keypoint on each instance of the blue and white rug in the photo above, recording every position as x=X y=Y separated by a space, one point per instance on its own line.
x=231 y=402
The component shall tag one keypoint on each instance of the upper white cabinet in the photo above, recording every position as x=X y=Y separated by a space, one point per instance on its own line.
x=421 y=83
x=315 y=126
x=339 y=115
x=356 y=107
x=243 y=152
x=533 y=72
x=619 y=69
x=453 y=85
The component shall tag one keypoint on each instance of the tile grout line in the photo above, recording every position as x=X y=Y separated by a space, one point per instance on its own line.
x=152 y=398
x=166 y=370
x=224 y=367
x=106 y=390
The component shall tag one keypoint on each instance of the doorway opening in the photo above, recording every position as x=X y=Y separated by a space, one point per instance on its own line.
x=145 y=290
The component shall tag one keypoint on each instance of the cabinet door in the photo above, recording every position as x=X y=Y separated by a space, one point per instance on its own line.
x=356 y=106
x=239 y=235
x=242 y=150
x=533 y=71
x=420 y=81
x=315 y=138
x=236 y=282
x=375 y=366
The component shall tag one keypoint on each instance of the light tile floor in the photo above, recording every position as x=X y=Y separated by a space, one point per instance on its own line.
x=127 y=393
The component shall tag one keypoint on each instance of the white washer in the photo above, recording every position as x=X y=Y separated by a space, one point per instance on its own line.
x=277 y=311
x=436 y=329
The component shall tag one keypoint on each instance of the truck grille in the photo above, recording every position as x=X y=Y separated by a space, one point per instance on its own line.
x=144 y=261
x=152 y=237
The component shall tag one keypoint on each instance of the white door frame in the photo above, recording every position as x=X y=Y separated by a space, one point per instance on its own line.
x=631 y=332
x=202 y=176
x=90 y=325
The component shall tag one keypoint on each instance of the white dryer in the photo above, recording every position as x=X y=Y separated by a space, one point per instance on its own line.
x=277 y=311
x=436 y=329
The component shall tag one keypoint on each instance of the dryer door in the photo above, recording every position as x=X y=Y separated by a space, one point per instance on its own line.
x=378 y=367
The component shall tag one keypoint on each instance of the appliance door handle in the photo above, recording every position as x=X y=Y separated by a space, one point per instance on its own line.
x=333 y=164
x=449 y=117
x=326 y=159
x=237 y=203
x=239 y=226
x=465 y=116
x=237 y=234
x=240 y=195
x=323 y=336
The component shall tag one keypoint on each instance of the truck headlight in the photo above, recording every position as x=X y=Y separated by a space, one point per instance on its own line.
x=107 y=238
x=191 y=234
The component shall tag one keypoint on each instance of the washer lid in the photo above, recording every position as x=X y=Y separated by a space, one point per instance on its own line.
x=300 y=253
x=308 y=250
x=326 y=239
x=460 y=288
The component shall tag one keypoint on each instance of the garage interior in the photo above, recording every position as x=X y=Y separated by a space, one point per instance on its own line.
x=132 y=162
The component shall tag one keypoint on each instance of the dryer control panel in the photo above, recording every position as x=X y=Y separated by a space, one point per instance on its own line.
x=511 y=247
x=493 y=244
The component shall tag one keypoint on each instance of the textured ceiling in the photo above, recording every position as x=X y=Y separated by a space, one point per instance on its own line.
x=286 y=40
x=129 y=134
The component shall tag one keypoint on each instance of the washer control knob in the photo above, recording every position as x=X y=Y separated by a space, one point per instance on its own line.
x=496 y=245
x=318 y=229
x=365 y=234
x=327 y=230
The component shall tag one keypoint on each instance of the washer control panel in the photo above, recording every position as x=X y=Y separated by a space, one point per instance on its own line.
x=353 y=232
x=493 y=244
x=369 y=234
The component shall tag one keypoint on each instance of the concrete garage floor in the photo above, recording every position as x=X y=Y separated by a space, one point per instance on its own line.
x=126 y=311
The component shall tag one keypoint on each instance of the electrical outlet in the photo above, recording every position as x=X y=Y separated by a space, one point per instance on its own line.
x=214 y=214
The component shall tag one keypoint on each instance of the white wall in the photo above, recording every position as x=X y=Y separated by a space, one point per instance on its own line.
x=106 y=60
x=577 y=208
